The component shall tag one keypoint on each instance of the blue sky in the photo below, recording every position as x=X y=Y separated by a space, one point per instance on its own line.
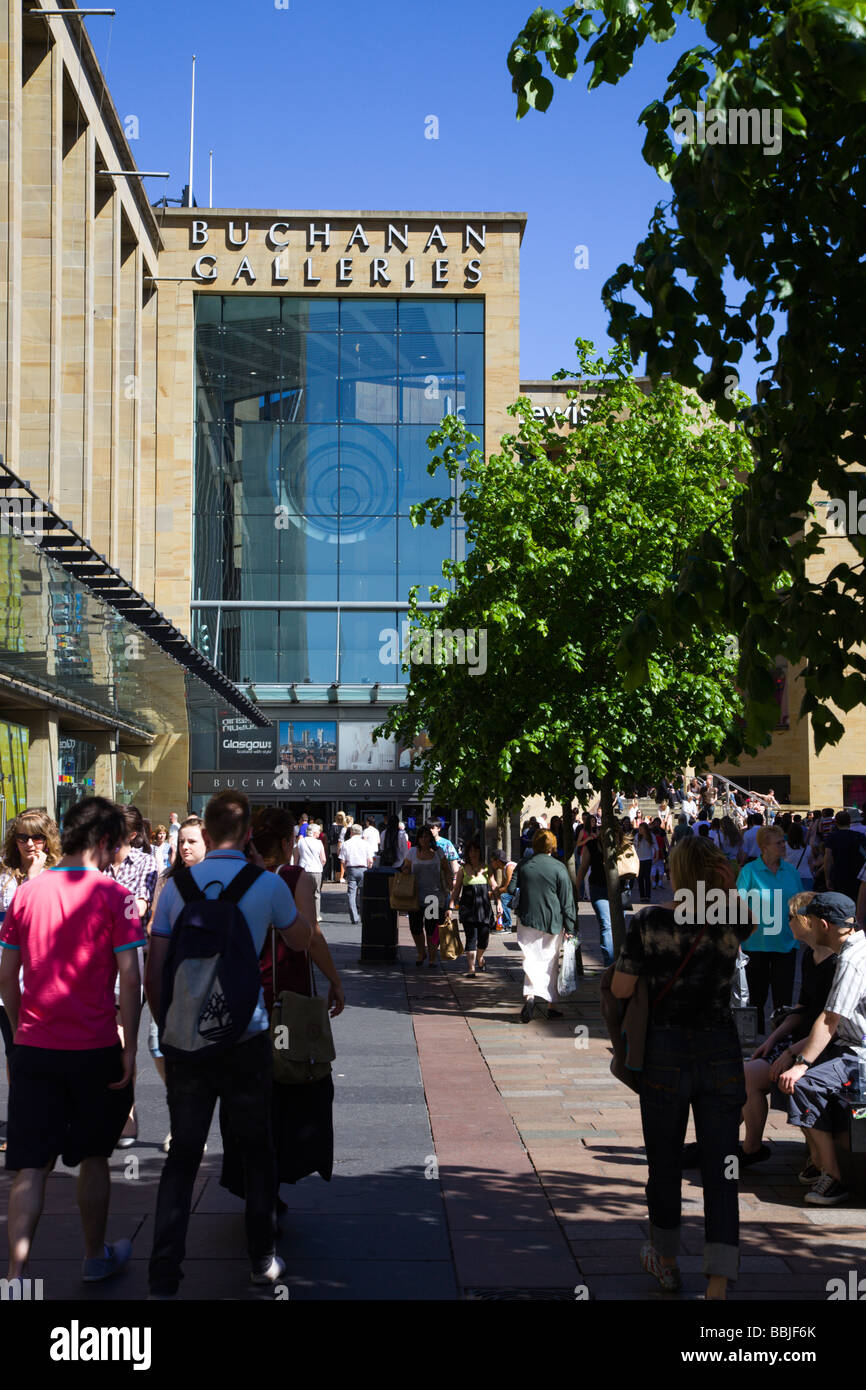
x=324 y=106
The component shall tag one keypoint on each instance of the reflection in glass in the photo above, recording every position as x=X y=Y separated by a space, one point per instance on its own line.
x=422 y=551
x=426 y=316
x=312 y=421
x=367 y=550
x=367 y=647
x=368 y=473
x=368 y=372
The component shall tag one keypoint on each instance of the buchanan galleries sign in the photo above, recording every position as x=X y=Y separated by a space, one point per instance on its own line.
x=283 y=242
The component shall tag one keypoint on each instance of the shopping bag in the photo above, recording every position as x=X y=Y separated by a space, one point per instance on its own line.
x=450 y=944
x=403 y=892
x=567 y=981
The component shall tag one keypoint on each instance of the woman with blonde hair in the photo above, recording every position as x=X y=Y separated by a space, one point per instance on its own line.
x=32 y=844
x=771 y=882
x=687 y=952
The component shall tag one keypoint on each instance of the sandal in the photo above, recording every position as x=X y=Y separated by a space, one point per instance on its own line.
x=668 y=1276
x=470 y=974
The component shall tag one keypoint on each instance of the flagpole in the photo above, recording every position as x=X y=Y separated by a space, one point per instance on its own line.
x=191 y=129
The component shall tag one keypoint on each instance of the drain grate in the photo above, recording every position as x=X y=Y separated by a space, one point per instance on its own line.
x=520 y=1294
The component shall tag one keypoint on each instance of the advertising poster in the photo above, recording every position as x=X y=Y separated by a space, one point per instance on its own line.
x=308 y=745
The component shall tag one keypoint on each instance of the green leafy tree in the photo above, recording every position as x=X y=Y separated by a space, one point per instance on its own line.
x=571 y=536
x=760 y=233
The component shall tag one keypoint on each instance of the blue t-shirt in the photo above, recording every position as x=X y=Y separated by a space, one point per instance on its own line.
x=445 y=845
x=267 y=902
x=776 y=890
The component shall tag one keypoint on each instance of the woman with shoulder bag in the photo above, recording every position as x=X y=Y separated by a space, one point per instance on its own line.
x=692 y=1059
x=433 y=882
x=473 y=890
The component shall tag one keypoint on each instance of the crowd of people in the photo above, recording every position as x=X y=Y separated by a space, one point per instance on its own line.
x=110 y=911
x=81 y=907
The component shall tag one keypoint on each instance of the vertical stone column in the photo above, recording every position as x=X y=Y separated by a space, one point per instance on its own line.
x=105 y=775
x=42 y=760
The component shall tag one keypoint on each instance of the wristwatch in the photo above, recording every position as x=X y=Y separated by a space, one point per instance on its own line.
x=801 y=1061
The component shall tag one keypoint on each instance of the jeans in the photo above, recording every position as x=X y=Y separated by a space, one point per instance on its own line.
x=701 y=1068
x=354 y=878
x=505 y=902
x=601 y=908
x=644 y=884
x=242 y=1079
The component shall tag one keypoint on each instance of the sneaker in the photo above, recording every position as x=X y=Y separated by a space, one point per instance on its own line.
x=827 y=1192
x=104 y=1266
x=528 y=1009
x=668 y=1276
x=274 y=1271
x=809 y=1175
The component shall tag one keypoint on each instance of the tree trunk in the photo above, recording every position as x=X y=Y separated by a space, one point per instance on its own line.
x=505 y=833
x=608 y=845
x=571 y=866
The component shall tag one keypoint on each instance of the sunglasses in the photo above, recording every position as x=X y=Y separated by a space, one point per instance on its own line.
x=26 y=839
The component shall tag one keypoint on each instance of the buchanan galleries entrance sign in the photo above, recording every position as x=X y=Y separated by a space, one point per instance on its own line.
x=270 y=253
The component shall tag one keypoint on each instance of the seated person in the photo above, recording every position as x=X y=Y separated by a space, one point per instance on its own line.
x=819 y=967
x=827 y=1065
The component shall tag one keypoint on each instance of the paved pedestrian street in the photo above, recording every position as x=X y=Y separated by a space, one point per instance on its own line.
x=475 y=1158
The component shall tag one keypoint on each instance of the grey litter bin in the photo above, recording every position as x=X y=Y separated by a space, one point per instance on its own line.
x=378 y=918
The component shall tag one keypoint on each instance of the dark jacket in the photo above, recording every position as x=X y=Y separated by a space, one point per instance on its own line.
x=546 y=901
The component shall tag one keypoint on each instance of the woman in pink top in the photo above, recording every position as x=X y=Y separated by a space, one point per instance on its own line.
x=32 y=844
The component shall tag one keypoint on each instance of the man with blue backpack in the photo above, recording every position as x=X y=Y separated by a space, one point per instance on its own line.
x=203 y=985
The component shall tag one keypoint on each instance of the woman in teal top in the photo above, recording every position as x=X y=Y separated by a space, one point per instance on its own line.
x=772 y=948
x=472 y=889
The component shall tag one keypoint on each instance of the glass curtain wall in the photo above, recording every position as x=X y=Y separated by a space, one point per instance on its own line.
x=312 y=424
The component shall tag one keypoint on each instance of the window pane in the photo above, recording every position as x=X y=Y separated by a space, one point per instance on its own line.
x=368 y=389
x=368 y=471
x=313 y=315
x=310 y=476
x=427 y=316
x=366 y=647
x=212 y=455
x=254 y=469
x=368 y=316
x=415 y=483
x=208 y=308
x=308 y=647
x=263 y=309
x=470 y=316
x=470 y=377
x=212 y=535
x=422 y=550
x=255 y=544
x=309 y=376
x=427 y=377
x=249 y=645
x=308 y=560
x=368 y=547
